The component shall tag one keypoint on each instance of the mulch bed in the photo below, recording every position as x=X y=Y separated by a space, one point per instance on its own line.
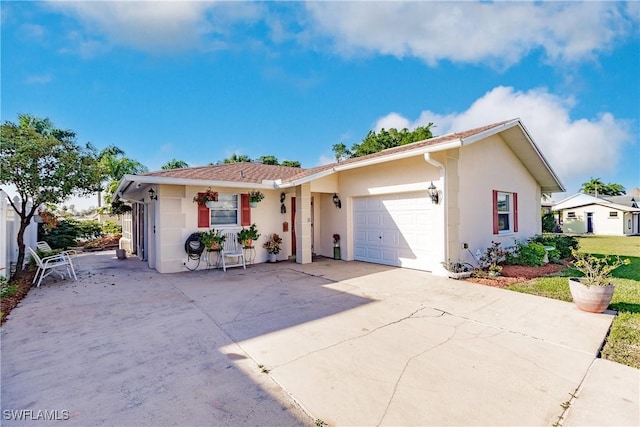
x=8 y=303
x=517 y=273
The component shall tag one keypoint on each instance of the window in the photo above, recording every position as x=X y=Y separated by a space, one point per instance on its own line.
x=229 y=210
x=225 y=211
x=505 y=212
x=571 y=214
x=613 y=214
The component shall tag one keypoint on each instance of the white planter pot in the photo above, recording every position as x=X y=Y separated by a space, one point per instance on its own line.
x=594 y=299
x=253 y=204
x=272 y=257
x=210 y=204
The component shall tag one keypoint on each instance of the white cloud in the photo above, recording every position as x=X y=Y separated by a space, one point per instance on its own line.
x=158 y=26
x=38 y=79
x=577 y=149
x=500 y=33
x=392 y=120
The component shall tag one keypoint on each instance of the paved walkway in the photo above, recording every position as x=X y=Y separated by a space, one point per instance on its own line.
x=346 y=343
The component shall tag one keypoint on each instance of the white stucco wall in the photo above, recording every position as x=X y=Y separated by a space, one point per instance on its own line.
x=482 y=167
x=176 y=218
x=400 y=176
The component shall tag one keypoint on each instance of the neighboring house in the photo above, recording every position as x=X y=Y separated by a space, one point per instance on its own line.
x=488 y=183
x=583 y=213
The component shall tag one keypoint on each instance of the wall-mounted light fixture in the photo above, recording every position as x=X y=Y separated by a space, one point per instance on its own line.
x=152 y=195
x=336 y=201
x=433 y=192
x=283 y=208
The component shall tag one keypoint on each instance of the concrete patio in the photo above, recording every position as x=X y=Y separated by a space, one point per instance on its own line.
x=347 y=343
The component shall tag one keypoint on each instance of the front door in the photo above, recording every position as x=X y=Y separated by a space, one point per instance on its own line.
x=293 y=226
x=589 y=222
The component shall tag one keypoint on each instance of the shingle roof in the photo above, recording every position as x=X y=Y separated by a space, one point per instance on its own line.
x=234 y=172
x=257 y=173
x=400 y=149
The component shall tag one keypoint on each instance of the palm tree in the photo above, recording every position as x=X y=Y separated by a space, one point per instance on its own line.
x=175 y=164
x=114 y=166
x=593 y=186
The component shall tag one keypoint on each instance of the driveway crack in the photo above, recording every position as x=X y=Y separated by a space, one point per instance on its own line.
x=357 y=337
x=406 y=365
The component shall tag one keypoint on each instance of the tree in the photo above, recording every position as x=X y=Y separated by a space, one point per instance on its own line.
x=596 y=187
x=291 y=163
x=46 y=166
x=237 y=158
x=269 y=160
x=383 y=139
x=341 y=151
x=175 y=164
x=113 y=166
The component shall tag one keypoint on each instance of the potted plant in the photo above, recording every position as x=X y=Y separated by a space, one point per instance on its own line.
x=255 y=197
x=336 y=246
x=458 y=269
x=212 y=239
x=273 y=246
x=594 y=291
x=246 y=236
x=207 y=198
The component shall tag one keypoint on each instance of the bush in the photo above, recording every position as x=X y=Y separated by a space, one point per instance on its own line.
x=548 y=222
x=111 y=228
x=563 y=244
x=6 y=290
x=532 y=254
x=69 y=230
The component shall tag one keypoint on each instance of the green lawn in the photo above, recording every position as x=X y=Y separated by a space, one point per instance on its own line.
x=623 y=343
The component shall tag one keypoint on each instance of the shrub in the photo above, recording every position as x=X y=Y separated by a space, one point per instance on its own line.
x=6 y=290
x=563 y=244
x=491 y=257
x=532 y=254
x=111 y=227
x=70 y=230
x=548 y=222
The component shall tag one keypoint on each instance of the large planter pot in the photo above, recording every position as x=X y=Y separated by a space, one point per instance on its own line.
x=594 y=299
x=272 y=257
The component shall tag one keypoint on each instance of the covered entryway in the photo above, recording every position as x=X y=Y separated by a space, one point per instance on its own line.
x=394 y=229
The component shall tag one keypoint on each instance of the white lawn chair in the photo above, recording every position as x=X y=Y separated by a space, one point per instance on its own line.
x=44 y=246
x=52 y=264
x=232 y=249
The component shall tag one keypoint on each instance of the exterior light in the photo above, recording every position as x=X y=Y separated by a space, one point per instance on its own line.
x=433 y=192
x=152 y=195
x=336 y=201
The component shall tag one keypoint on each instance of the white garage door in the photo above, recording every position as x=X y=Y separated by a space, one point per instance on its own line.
x=394 y=229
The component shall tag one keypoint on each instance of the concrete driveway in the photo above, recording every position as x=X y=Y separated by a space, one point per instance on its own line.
x=346 y=343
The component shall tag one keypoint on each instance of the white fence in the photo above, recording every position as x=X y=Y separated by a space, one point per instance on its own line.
x=9 y=226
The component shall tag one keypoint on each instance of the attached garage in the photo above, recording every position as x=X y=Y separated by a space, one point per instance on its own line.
x=394 y=229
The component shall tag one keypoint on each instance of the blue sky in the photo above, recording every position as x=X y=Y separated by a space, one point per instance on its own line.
x=200 y=81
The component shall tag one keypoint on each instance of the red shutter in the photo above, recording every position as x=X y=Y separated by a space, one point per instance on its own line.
x=204 y=217
x=495 y=212
x=245 y=210
x=515 y=212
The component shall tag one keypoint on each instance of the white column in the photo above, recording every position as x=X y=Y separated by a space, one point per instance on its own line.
x=303 y=224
